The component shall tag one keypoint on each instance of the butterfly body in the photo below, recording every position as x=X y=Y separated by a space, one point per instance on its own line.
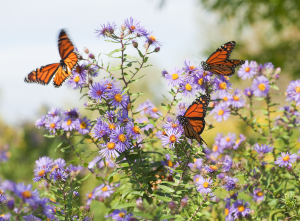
x=193 y=120
x=60 y=71
x=219 y=62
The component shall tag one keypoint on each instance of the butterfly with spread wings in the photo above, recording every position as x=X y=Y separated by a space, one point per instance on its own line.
x=193 y=120
x=219 y=62
x=61 y=70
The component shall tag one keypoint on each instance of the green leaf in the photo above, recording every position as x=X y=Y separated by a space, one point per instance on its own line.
x=114 y=51
x=84 y=178
x=115 y=68
x=112 y=41
x=274 y=87
x=144 y=215
x=163 y=198
x=167 y=189
x=49 y=136
x=167 y=217
x=126 y=205
x=146 y=59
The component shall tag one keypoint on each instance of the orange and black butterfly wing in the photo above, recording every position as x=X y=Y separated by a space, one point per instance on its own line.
x=61 y=76
x=198 y=107
x=42 y=75
x=222 y=70
x=191 y=128
x=222 y=53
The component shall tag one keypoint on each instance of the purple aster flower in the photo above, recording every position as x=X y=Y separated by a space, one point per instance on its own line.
x=69 y=124
x=80 y=69
x=72 y=113
x=10 y=204
x=122 y=116
x=149 y=108
x=110 y=115
x=93 y=71
x=221 y=176
x=230 y=183
x=75 y=193
x=111 y=84
x=59 y=175
x=188 y=88
x=151 y=40
x=227 y=163
x=248 y=92
x=31 y=218
x=40 y=123
x=260 y=86
x=181 y=109
x=173 y=124
x=105 y=30
x=240 y=209
x=75 y=169
x=221 y=111
x=134 y=26
x=267 y=69
x=118 y=100
x=248 y=70
x=175 y=77
x=40 y=173
x=286 y=159
x=7 y=185
x=221 y=85
x=164 y=73
x=197 y=164
x=53 y=112
x=97 y=91
x=76 y=81
x=59 y=163
x=133 y=130
x=189 y=66
x=144 y=120
x=53 y=124
x=171 y=138
x=43 y=162
x=25 y=193
x=110 y=150
x=238 y=142
x=226 y=97
x=169 y=163
x=228 y=140
x=210 y=168
x=120 y=215
x=228 y=213
x=203 y=185
x=103 y=191
x=200 y=79
x=258 y=195
x=237 y=101
x=100 y=129
x=293 y=91
x=83 y=125
x=2 y=198
x=120 y=138
x=263 y=148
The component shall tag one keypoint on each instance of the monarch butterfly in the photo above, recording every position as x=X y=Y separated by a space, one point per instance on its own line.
x=193 y=120
x=61 y=70
x=219 y=62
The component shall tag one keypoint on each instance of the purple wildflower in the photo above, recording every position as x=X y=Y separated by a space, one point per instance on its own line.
x=240 y=209
x=72 y=113
x=43 y=162
x=40 y=173
x=248 y=70
x=181 y=109
x=263 y=148
x=221 y=111
x=230 y=183
x=171 y=138
x=175 y=77
x=76 y=81
x=111 y=84
x=120 y=215
x=228 y=141
x=258 y=195
x=293 y=91
x=59 y=175
x=238 y=142
x=120 y=138
x=144 y=120
x=133 y=130
x=286 y=159
x=103 y=191
x=227 y=163
x=69 y=124
x=197 y=164
x=41 y=122
x=260 y=86
x=53 y=112
x=118 y=100
x=25 y=193
x=110 y=150
x=134 y=26
x=83 y=125
x=188 y=88
x=59 y=163
x=189 y=66
x=222 y=85
x=53 y=124
x=237 y=101
x=31 y=218
x=151 y=40
x=100 y=129
x=248 y=92
x=105 y=30
x=203 y=185
x=97 y=91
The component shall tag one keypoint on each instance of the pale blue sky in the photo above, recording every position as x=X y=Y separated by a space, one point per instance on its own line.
x=28 y=39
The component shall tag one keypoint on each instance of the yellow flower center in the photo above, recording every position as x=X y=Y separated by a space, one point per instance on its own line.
x=109 y=86
x=52 y=125
x=241 y=208
x=200 y=81
x=90 y=195
x=132 y=27
x=83 y=125
x=41 y=173
x=170 y=164
x=121 y=214
x=259 y=193
x=26 y=194
x=297 y=90
x=164 y=133
x=236 y=98
x=112 y=126
x=1 y=192
x=286 y=158
x=77 y=79
x=192 y=67
x=175 y=76
x=155 y=109
x=223 y=85
x=226 y=78
x=220 y=112
x=195 y=160
x=173 y=138
x=227 y=139
x=136 y=130
x=111 y=145
x=249 y=93
x=226 y=211
x=174 y=125
x=247 y=69
x=118 y=98
x=214 y=168
x=69 y=122
x=215 y=148
x=261 y=86
x=204 y=73
x=237 y=141
x=152 y=38
x=122 y=138
x=205 y=184
x=225 y=98
x=188 y=87
x=197 y=179
x=104 y=189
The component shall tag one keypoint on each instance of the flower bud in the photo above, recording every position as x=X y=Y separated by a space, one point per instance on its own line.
x=123 y=27
x=183 y=202
x=135 y=44
x=86 y=50
x=91 y=56
x=273 y=169
x=157 y=49
x=87 y=208
x=75 y=193
x=80 y=57
x=289 y=168
x=139 y=204
x=11 y=204
x=172 y=205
